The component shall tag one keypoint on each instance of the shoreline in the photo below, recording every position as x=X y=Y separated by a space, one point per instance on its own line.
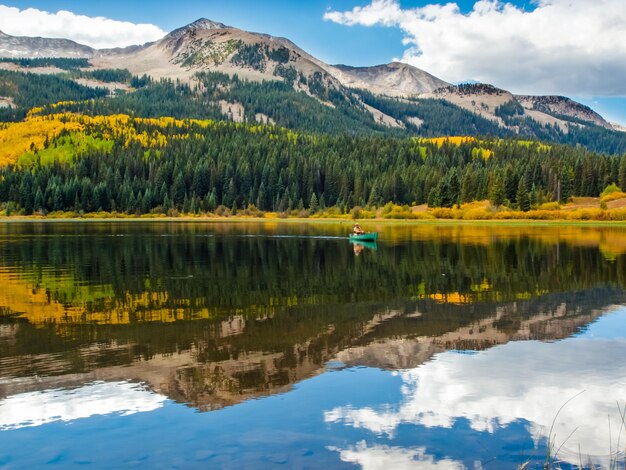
x=295 y=220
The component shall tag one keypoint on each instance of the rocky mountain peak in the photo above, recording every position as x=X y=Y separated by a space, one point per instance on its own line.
x=563 y=106
x=200 y=24
x=204 y=23
x=400 y=65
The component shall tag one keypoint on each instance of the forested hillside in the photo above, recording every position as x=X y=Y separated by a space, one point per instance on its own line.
x=317 y=109
x=138 y=165
x=28 y=90
x=165 y=147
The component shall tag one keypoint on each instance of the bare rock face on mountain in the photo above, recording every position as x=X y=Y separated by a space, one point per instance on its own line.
x=207 y=45
x=618 y=127
x=395 y=79
x=507 y=110
x=202 y=23
x=17 y=47
x=479 y=98
x=560 y=105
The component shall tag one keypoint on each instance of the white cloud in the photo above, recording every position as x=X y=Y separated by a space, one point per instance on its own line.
x=378 y=457
x=97 y=32
x=100 y=398
x=562 y=46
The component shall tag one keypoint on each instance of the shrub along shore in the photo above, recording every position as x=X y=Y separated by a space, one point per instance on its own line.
x=471 y=212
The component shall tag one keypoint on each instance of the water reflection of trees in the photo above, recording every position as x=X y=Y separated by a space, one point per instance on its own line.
x=233 y=273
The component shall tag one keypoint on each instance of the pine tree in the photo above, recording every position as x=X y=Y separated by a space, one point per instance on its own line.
x=510 y=185
x=57 y=199
x=39 y=202
x=446 y=198
x=455 y=188
x=231 y=194
x=26 y=194
x=522 y=198
x=567 y=177
x=496 y=193
x=434 y=197
x=622 y=173
x=260 y=199
x=322 y=202
x=167 y=204
x=178 y=190
x=374 y=199
x=313 y=204
x=588 y=180
x=146 y=202
x=131 y=205
x=468 y=191
x=211 y=201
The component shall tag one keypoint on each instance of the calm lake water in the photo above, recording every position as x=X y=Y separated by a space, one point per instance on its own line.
x=198 y=345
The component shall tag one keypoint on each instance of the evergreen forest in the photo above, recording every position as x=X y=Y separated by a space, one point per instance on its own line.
x=164 y=147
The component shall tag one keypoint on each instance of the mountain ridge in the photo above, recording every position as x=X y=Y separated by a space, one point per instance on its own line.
x=395 y=78
x=23 y=46
x=208 y=45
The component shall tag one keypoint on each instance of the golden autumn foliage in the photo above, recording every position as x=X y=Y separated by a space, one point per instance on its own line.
x=552 y=212
x=478 y=152
x=22 y=137
x=616 y=196
x=37 y=132
x=454 y=140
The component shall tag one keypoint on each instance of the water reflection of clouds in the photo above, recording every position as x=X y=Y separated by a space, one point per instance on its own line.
x=397 y=458
x=526 y=381
x=101 y=398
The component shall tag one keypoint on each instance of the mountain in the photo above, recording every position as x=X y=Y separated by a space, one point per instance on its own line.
x=562 y=106
x=18 y=47
x=202 y=23
x=394 y=97
x=395 y=79
x=209 y=45
x=206 y=44
x=482 y=100
x=509 y=110
x=618 y=127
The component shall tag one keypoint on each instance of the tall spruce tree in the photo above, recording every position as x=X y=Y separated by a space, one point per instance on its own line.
x=522 y=198
x=496 y=193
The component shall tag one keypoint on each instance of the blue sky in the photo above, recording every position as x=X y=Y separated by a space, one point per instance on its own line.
x=353 y=41
x=301 y=21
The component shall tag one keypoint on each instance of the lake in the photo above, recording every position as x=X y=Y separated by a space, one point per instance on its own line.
x=277 y=344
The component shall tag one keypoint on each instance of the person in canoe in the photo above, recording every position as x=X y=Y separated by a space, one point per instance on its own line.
x=357 y=230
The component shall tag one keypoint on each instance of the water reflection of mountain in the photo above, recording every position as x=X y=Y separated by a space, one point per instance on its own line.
x=210 y=364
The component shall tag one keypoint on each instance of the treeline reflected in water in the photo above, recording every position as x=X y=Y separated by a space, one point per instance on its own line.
x=135 y=270
x=212 y=314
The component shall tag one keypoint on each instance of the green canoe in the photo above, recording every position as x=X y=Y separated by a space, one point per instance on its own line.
x=366 y=237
